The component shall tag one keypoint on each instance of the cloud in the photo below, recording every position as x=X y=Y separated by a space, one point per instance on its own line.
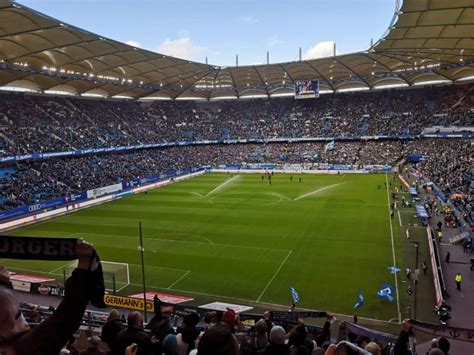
x=274 y=41
x=184 y=48
x=320 y=50
x=249 y=19
x=133 y=43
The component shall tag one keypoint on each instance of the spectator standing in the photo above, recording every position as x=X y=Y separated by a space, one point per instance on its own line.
x=110 y=330
x=447 y=258
x=93 y=348
x=134 y=333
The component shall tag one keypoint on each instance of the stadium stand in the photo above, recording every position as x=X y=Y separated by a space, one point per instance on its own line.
x=377 y=127
x=35 y=124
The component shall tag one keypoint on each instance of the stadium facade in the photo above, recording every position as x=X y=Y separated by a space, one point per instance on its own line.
x=427 y=41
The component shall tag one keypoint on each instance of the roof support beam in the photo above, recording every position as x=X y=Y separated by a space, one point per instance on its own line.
x=321 y=75
x=383 y=65
x=352 y=71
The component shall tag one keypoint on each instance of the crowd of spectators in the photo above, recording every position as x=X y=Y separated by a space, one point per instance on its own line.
x=227 y=333
x=449 y=164
x=33 y=124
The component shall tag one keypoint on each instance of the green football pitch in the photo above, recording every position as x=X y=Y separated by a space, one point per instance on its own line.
x=237 y=238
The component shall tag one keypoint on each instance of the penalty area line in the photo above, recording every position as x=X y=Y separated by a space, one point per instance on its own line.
x=179 y=279
x=274 y=275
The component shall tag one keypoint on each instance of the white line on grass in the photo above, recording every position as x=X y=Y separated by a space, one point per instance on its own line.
x=318 y=191
x=59 y=268
x=221 y=186
x=192 y=235
x=197 y=194
x=279 y=195
x=393 y=249
x=399 y=219
x=274 y=275
x=266 y=204
x=190 y=242
x=157 y=267
x=179 y=279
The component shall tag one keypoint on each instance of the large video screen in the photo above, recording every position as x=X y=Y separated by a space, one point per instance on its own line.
x=306 y=89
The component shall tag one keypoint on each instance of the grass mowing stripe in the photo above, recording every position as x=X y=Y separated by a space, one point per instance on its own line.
x=393 y=249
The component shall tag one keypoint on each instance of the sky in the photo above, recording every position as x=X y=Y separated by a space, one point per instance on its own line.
x=220 y=29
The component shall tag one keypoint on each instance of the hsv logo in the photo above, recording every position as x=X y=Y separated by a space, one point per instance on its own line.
x=44 y=290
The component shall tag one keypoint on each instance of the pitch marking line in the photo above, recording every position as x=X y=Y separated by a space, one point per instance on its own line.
x=317 y=191
x=190 y=242
x=221 y=186
x=393 y=250
x=158 y=267
x=280 y=196
x=266 y=204
x=59 y=268
x=274 y=275
x=179 y=279
x=197 y=194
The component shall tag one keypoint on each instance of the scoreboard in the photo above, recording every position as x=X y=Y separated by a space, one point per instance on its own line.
x=306 y=89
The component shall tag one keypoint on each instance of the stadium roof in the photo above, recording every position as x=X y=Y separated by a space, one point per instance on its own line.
x=428 y=40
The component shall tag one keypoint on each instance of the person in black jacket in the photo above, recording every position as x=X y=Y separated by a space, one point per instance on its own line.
x=110 y=331
x=134 y=333
x=49 y=337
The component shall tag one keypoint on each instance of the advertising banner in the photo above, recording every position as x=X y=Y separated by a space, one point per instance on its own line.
x=128 y=302
x=104 y=190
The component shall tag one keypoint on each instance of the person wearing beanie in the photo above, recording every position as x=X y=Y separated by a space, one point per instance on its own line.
x=277 y=344
x=444 y=345
x=218 y=340
x=170 y=345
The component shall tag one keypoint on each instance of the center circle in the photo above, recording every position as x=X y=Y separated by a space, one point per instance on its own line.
x=245 y=201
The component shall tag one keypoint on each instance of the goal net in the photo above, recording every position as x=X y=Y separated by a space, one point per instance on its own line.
x=116 y=275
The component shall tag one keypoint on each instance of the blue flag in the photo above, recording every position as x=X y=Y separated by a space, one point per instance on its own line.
x=294 y=295
x=386 y=291
x=360 y=300
x=393 y=269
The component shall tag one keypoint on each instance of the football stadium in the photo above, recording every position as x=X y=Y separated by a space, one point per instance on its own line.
x=153 y=204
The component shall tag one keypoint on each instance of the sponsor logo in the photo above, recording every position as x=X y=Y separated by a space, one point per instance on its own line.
x=127 y=302
x=164 y=297
x=33 y=208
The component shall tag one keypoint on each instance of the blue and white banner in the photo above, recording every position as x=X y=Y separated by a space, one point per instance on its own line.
x=360 y=300
x=294 y=295
x=386 y=291
x=421 y=211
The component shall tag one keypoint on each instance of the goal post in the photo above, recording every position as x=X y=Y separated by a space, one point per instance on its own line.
x=116 y=275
